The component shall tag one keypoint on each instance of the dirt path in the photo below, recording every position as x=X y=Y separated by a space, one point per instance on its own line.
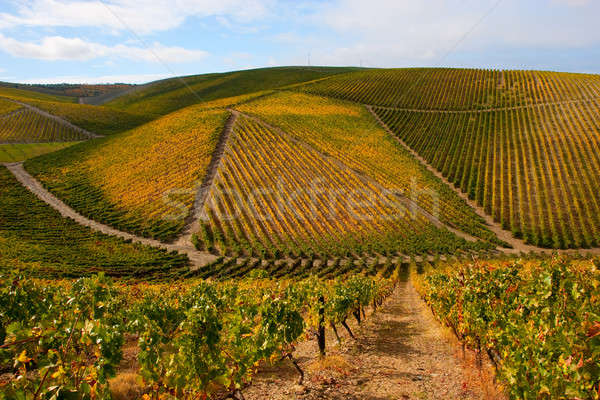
x=55 y=118
x=193 y=221
x=519 y=246
x=406 y=202
x=401 y=352
x=483 y=110
x=197 y=258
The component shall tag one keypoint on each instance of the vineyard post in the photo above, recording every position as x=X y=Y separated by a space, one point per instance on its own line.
x=321 y=329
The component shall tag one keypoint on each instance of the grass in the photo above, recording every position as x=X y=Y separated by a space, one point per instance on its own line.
x=24 y=151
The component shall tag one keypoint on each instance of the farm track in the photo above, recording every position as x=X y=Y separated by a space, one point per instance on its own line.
x=408 y=203
x=193 y=221
x=55 y=118
x=196 y=257
x=400 y=352
x=519 y=246
x=485 y=110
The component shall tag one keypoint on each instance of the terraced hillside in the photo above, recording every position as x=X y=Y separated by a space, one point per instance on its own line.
x=272 y=195
x=349 y=133
x=163 y=97
x=36 y=240
x=457 y=89
x=142 y=181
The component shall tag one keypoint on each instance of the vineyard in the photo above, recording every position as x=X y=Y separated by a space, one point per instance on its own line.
x=298 y=201
x=26 y=126
x=457 y=89
x=37 y=241
x=538 y=320
x=533 y=169
x=163 y=97
x=142 y=181
x=26 y=95
x=97 y=119
x=7 y=107
x=193 y=339
x=10 y=153
x=348 y=133
x=273 y=197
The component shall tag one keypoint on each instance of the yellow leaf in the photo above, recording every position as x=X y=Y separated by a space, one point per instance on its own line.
x=23 y=357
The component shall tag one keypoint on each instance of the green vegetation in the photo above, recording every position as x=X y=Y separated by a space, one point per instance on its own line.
x=26 y=95
x=68 y=89
x=349 y=133
x=23 y=151
x=36 y=240
x=142 y=181
x=96 y=119
x=533 y=169
x=194 y=339
x=163 y=97
x=456 y=89
x=7 y=106
x=28 y=126
x=540 y=321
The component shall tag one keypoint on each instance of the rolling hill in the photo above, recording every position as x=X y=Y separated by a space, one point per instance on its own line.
x=163 y=97
x=242 y=212
x=518 y=143
x=457 y=89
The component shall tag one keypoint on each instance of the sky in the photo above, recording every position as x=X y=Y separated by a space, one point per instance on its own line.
x=136 y=41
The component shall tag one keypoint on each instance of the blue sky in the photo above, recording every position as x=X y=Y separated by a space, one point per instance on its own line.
x=137 y=41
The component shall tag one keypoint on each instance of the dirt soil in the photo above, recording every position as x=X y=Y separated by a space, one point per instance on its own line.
x=401 y=352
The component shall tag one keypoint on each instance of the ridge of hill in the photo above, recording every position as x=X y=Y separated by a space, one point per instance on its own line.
x=168 y=95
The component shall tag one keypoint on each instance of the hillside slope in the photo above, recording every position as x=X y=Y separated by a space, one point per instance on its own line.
x=457 y=89
x=135 y=181
x=274 y=195
x=535 y=170
x=163 y=97
x=348 y=132
x=36 y=240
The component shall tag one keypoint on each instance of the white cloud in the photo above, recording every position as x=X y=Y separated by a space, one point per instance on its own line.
x=141 y=78
x=141 y=16
x=573 y=3
x=60 y=48
x=388 y=33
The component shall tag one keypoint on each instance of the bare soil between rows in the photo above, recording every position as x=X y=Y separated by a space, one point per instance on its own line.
x=400 y=352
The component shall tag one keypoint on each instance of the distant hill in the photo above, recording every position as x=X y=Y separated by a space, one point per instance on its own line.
x=70 y=90
x=165 y=96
